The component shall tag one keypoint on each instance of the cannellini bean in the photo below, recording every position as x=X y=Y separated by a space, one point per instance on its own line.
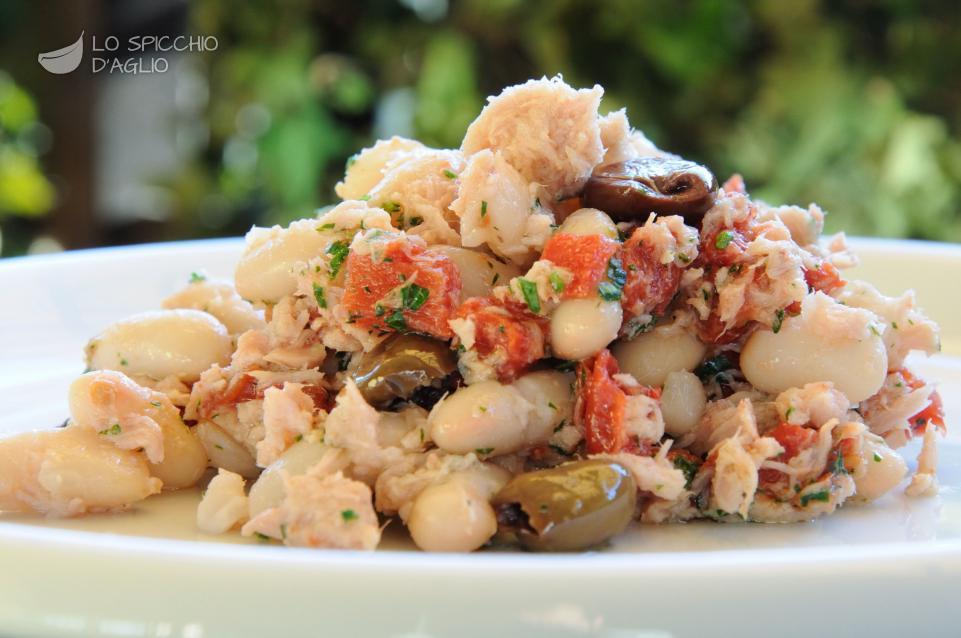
x=224 y=451
x=651 y=356
x=221 y=300
x=589 y=221
x=808 y=351
x=581 y=328
x=184 y=457
x=268 y=490
x=70 y=471
x=161 y=343
x=453 y=516
x=682 y=402
x=479 y=272
x=265 y=272
x=883 y=470
x=492 y=419
x=224 y=504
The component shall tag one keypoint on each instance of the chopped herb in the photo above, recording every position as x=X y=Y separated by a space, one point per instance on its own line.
x=544 y=508
x=156 y=404
x=413 y=296
x=123 y=361
x=688 y=467
x=615 y=272
x=734 y=270
x=197 y=278
x=351 y=161
x=391 y=207
x=778 y=320
x=559 y=450
x=483 y=209
x=388 y=260
x=364 y=198
x=367 y=289
x=484 y=451
x=632 y=267
x=113 y=430
x=787 y=413
x=723 y=239
x=608 y=291
x=416 y=221
x=421 y=435
x=263 y=538
x=529 y=290
x=684 y=258
x=338 y=253
x=320 y=295
x=218 y=446
x=877 y=457
x=551 y=405
x=565 y=366
x=894 y=324
x=378 y=310
x=495 y=278
x=823 y=496
x=557 y=282
x=706 y=294
x=710 y=369
x=328 y=226
x=874 y=330
x=283 y=531
x=348 y=515
x=298 y=438
x=482 y=408
x=396 y=321
x=838 y=466
x=449 y=174
x=560 y=426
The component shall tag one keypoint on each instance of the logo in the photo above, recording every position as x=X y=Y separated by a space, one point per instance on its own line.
x=63 y=60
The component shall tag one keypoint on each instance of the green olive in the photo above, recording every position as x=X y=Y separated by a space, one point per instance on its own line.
x=400 y=366
x=569 y=507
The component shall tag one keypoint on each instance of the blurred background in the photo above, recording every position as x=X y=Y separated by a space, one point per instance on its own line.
x=855 y=105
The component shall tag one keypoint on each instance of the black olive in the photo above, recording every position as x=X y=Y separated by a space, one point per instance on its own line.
x=631 y=190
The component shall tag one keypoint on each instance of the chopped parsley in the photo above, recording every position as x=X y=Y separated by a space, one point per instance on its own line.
x=123 y=361
x=327 y=226
x=611 y=290
x=560 y=426
x=712 y=368
x=778 y=320
x=529 y=290
x=484 y=451
x=263 y=538
x=155 y=404
x=283 y=531
x=449 y=174
x=413 y=296
x=495 y=278
x=391 y=207
x=320 y=295
x=113 y=430
x=838 y=466
x=338 y=253
x=483 y=209
x=723 y=239
x=608 y=291
x=877 y=457
x=196 y=278
x=348 y=515
x=551 y=405
x=823 y=496
x=364 y=199
x=557 y=282
x=687 y=466
x=415 y=221
x=396 y=321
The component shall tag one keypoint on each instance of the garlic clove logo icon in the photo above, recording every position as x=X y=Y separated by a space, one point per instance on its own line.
x=63 y=60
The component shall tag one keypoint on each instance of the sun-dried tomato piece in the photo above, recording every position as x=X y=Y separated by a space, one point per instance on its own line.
x=824 y=278
x=933 y=413
x=387 y=293
x=600 y=405
x=586 y=256
x=794 y=439
x=649 y=284
x=505 y=333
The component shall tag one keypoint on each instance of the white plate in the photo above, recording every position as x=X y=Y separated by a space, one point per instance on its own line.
x=887 y=569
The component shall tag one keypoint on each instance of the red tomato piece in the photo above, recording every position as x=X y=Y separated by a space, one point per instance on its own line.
x=649 y=283
x=369 y=282
x=933 y=413
x=507 y=332
x=825 y=278
x=586 y=256
x=601 y=401
x=794 y=439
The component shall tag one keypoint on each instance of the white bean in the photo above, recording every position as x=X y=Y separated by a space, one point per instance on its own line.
x=221 y=300
x=883 y=470
x=588 y=221
x=682 y=402
x=161 y=343
x=479 y=273
x=224 y=451
x=268 y=490
x=451 y=517
x=266 y=270
x=802 y=353
x=581 y=328
x=492 y=419
x=70 y=471
x=184 y=457
x=651 y=356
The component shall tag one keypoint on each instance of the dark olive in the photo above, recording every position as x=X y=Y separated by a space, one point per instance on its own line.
x=400 y=366
x=569 y=507
x=631 y=190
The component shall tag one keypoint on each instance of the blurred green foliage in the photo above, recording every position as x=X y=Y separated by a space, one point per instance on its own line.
x=24 y=190
x=845 y=104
